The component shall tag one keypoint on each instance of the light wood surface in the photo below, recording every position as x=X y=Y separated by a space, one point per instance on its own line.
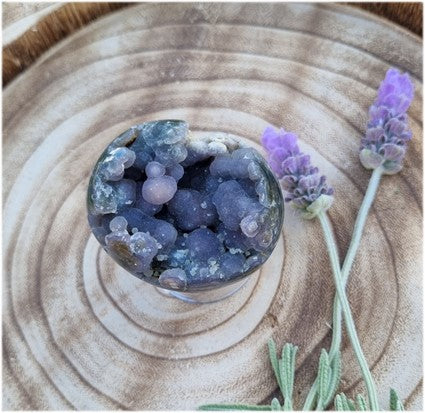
x=30 y=29
x=19 y=17
x=406 y=14
x=80 y=333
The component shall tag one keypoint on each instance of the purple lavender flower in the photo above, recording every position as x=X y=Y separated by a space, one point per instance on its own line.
x=301 y=181
x=279 y=145
x=388 y=130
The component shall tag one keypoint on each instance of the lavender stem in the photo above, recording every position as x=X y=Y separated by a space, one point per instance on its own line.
x=348 y=318
x=345 y=271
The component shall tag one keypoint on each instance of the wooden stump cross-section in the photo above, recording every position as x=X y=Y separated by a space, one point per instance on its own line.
x=80 y=333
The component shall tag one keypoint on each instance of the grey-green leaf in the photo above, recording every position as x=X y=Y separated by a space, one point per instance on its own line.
x=287 y=373
x=289 y=352
x=293 y=358
x=287 y=400
x=324 y=376
x=343 y=403
x=274 y=361
x=285 y=367
x=395 y=402
x=338 y=403
x=350 y=404
x=361 y=403
x=275 y=405
x=335 y=377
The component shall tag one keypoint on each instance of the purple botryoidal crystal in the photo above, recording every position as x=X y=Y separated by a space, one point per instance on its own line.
x=181 y=212
x=305 y=187
x=388 y=131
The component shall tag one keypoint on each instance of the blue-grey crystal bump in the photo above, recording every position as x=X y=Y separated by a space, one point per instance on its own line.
x=184 y=213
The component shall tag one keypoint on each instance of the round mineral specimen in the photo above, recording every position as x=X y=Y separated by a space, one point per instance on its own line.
x=184 y=213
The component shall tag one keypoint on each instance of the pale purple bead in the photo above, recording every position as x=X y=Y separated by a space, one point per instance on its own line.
x=158 y=191
x=173 y=278
x=143 y=246
x=176 y=171
x=250 y=226
x=154 y=170
x=143 y=205
x=118 y=224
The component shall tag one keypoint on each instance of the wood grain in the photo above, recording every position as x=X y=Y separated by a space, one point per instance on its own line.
x=17 y=18
x=409 y=15
x=35 y=27
x=30 y=29
x=80 y=333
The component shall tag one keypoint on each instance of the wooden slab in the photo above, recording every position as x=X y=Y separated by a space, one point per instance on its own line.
x=79 y=333
x=17 y=18
x=29 y=29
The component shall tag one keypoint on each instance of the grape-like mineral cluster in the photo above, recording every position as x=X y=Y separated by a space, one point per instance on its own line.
x=181 y=212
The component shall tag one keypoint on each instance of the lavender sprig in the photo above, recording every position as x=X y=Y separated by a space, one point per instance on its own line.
x=388 y=132
x=383 y=150
x=309 y=192
x=305 y=187
x=389 y=110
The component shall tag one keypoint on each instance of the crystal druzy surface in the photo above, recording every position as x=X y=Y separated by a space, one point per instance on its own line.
x=184 y=213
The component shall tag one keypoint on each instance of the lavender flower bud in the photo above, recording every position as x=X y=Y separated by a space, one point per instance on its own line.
x=306 y=189
x=279 y=145
x=385 y=142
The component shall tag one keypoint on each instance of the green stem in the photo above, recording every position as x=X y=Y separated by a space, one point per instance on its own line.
x=345 y=271
x=345 y=306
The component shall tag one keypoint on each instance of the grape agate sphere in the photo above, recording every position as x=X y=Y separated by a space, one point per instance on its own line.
x=182 y=212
